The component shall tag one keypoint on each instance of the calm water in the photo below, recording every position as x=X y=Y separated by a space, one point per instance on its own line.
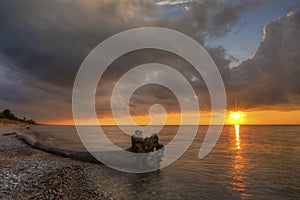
x=261 y=162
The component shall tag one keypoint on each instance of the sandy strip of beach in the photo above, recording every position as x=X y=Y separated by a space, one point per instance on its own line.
x=27 y=173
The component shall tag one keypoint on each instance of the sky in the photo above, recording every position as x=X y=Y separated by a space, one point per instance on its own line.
x=254 y=43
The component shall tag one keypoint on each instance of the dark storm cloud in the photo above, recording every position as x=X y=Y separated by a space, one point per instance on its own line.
x=28 y=100
x=150 y=95
x=49 y=39
x=271 y=77
x=44 y=42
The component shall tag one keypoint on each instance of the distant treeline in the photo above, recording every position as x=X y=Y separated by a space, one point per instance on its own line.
x=7 y=114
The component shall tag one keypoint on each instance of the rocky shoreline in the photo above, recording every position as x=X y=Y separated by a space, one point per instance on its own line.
x=27 y=173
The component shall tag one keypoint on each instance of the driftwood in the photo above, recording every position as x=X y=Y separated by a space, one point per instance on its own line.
x=84 y=156
x=9 y=134
x=118 y=159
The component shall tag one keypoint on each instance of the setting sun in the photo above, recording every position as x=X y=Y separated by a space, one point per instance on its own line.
x=237 y=117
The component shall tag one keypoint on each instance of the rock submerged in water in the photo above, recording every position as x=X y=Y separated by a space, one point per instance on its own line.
x=144 y=145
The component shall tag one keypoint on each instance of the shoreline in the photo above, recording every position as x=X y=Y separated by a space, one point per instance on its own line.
x=28 y=173
x=7 y=122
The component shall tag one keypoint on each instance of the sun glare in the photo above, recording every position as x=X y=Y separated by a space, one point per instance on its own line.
x=237 y=117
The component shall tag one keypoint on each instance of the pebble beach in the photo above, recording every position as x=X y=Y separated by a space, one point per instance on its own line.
x=27 y=173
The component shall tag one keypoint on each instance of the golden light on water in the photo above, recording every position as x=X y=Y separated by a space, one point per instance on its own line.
x=237 y=136
x=236 y=118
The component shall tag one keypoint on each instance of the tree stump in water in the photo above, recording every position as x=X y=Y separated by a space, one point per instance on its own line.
x=144 y=145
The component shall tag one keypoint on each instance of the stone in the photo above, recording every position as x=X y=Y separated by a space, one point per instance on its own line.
x=144 y=145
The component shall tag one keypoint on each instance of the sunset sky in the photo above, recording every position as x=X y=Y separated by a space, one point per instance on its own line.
x=254 y=43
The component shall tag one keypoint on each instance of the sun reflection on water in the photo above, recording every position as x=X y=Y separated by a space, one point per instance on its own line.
x=239 y=166
x=237 y=137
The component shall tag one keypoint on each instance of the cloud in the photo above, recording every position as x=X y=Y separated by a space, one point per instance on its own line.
x=43 y=44
x=213 y=18
x=51 y=38
x=28 y=100
x=271 y=76
x=172 y=3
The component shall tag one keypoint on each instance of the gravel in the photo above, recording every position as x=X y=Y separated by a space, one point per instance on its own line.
x=27 y=173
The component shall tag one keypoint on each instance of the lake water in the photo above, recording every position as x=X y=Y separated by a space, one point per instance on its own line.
x=261 y=162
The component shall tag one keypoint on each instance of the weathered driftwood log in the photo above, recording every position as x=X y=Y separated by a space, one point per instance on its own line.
x=118 y=159
x=84 y=156
x=144 y=145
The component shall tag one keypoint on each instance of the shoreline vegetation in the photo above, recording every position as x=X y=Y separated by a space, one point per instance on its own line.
x=8 y=118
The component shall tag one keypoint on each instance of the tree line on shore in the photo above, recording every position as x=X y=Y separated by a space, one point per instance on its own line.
x=7 y=114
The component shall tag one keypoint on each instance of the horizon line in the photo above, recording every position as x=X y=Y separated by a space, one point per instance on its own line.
x=291 y=124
